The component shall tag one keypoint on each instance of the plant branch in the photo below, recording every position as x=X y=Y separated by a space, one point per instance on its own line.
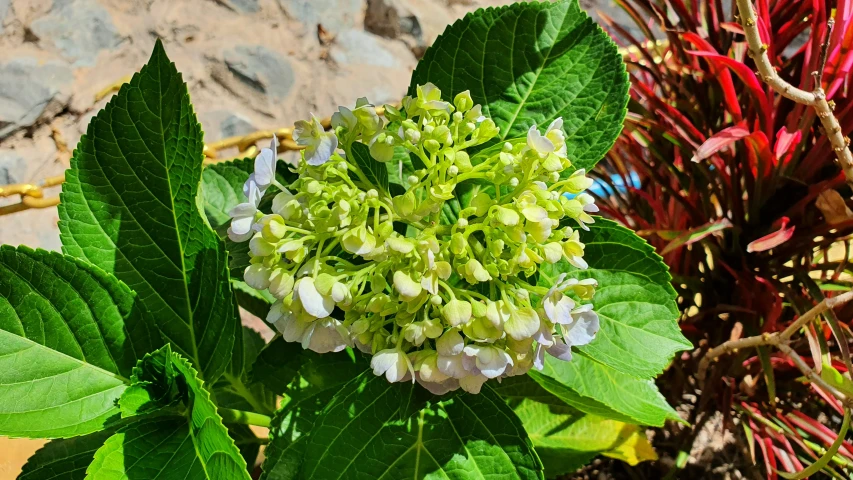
x=815 y=99
x=229 y=415
x=778 y=339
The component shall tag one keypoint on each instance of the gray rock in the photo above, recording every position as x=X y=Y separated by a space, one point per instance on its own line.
x=4 y=9
x=29 y=91
x=245 y=6
x=13 y=167
x=261 y=69
x=334 y=15
x=360 y=47
x=391 y=19
x=235 y=125
x=79 y=29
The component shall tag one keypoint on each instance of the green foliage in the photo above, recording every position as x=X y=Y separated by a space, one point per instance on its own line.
x=308 y=381
x=612 y=376
x=529 y=63
x=130 y=206
x=376 y=172
x=65 y=459
x=414 y=435
x=192 y=445
x=70 y=334
x=634 y=300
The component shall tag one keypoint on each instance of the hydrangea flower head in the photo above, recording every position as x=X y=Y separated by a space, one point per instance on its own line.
x=439 y=299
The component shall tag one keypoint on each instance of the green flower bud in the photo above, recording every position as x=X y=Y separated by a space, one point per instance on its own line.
x=463 y=101
x=481 y=203
x=506 y=216
x=432 y=146
x=462 y=161
x=408 y=288
x=405 y=204
x=457 y=312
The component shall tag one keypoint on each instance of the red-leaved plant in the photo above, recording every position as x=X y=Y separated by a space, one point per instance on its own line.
x=738 y=189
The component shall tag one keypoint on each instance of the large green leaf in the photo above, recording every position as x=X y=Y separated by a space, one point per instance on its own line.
x=598 y=389
x=566 y=438
x=64 y=459
x=529 y=63
x=308 y=381
x=70 y=334
x=130 y=206
x=377 y=430
x=193 y=445
x=634 y=301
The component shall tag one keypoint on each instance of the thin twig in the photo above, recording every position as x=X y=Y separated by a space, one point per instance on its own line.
x=816 y=99
x=824 y=54
x=774 y=339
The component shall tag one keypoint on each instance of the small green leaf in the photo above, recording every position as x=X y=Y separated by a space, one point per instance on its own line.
x=235 y=389
x=529 y=63
x=64 y=459
x=70 y=334
x=375 y=171
x=194 y=445
x=222 y=189
x=634 y=301
x=378 y=430
x=130 y=205
x=597 y=389
x=835 y=378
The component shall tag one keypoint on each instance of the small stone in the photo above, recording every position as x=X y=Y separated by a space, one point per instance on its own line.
x=13 y=167
x=261 y=69
x=334 y=15
x=4 y=9
x=245 y=6
x=79 y=29
x=391 y=19
x=30 y=91
x=235 y=125
x=360 y=47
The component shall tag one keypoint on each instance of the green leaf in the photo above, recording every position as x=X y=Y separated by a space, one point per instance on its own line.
x=257 y=302
x=70 y=334
x=130 y=206
x=529 y=63
x=308 y=382
x=375 y=171
x=401 y=155
x=235 y=389
x=222 y=189
x=196 y=445
x=378 y=430
x=64 y=459
x=563 y=433
x=634 y=301
x=598 y=389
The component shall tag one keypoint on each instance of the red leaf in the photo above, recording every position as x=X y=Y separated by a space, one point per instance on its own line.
x=772 y=240
x=786 y=142
x=746 y=75
x=723 y=76
x=720 y=140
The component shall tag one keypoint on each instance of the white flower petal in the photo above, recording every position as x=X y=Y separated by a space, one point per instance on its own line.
x=450 y=343
x=451 y=365
x=583 y=330
x=312 y=301
x=392 y=363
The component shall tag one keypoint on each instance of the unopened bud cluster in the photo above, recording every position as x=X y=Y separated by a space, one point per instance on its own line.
x=436 y=295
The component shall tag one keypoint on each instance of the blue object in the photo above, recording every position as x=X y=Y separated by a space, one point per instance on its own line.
x=602 y=189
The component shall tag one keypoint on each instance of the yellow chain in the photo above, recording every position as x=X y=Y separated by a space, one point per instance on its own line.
x=32 y=194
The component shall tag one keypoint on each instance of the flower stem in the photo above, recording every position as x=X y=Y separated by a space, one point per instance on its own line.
x=229 y=415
